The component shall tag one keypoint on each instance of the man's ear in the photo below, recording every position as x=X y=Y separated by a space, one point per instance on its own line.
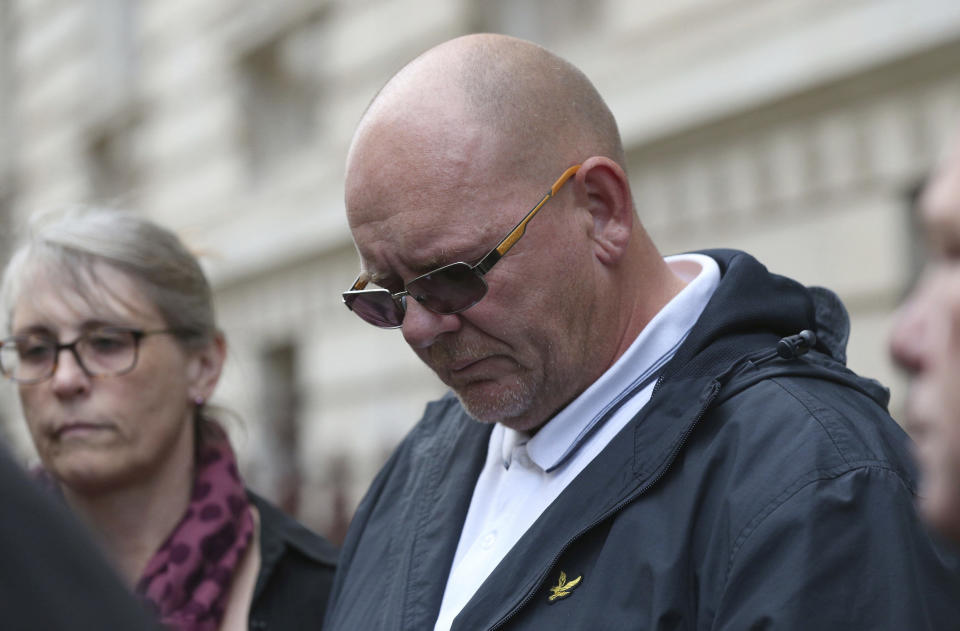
x=204 y=367
x=606 y=195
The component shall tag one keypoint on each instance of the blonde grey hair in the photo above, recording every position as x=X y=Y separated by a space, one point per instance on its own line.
x=70 y=248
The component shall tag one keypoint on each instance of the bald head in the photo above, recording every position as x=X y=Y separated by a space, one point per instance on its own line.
x=445 y=161
x=538 y=112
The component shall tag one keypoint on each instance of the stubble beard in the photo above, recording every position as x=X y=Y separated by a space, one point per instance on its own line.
x=497 y=400
x=511 y=400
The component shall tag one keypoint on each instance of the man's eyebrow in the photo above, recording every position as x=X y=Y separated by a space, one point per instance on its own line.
x=383 y=280
x=442 y=258
x=434 y=262
x=422 y=267
x=373 y=277
x=470 y=256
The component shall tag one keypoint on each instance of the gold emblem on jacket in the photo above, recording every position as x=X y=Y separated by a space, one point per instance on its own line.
x=563 y=588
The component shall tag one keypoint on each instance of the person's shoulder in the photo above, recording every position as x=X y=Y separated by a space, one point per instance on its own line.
x=824 y=420
x=278 y=529
x=856 y=418
x=53 y=576
x=787 y=446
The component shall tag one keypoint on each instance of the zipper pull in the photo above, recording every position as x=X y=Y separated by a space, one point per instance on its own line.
x=794 y=346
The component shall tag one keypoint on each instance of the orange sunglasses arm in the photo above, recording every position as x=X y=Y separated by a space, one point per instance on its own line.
x=515 y=234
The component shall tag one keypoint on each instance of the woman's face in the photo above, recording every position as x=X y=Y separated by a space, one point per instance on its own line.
x=96 y=434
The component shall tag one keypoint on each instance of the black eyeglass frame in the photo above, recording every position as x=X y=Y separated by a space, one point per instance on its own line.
x=479 y=269
x=137 y=334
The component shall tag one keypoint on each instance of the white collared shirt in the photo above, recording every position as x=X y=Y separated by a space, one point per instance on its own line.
x=522 y=476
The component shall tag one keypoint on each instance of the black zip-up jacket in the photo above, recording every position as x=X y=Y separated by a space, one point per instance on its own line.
x=296 y=573
x=753 y=491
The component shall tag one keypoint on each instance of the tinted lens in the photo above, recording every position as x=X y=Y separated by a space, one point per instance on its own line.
x=376 y=306
x=450 y=289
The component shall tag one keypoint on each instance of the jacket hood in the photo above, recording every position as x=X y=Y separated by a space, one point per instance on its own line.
x=750 y=312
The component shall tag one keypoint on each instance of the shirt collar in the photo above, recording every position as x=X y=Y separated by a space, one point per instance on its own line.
x=566 y=432
x=509 y=440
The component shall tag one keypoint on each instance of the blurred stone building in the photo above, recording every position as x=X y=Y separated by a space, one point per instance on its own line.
x=795 y=129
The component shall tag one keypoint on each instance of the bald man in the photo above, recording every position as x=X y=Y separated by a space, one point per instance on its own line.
x=630 y=441
x=926 y=342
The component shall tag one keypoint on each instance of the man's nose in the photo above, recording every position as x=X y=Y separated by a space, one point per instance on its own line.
x=421 y=327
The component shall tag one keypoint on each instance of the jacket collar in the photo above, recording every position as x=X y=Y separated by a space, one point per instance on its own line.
x=279 y=532
x=639 y=366
x=740 y=321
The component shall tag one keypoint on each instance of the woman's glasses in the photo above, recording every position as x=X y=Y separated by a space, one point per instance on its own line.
x=449 y=289
x=101 y=352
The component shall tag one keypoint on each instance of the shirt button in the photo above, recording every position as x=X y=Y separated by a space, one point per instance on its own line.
x=488 y=540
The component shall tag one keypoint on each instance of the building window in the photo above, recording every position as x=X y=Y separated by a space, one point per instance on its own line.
x=281 y=411
x=110 y=157
x=915 y=232
x=279 y=99
x=111 y=165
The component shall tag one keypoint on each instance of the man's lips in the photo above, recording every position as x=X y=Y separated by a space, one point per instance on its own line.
x=474 y=369
x=464 y=364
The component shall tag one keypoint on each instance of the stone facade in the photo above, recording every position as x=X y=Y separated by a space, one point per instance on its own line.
x=796 y=130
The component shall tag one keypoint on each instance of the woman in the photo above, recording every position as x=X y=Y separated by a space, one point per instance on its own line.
x=115 y=353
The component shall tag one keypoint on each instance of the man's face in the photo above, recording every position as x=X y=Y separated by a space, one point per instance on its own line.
x=518 y=355
x=926 y=342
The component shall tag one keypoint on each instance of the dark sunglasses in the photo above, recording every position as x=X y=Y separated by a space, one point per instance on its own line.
x=449 y=289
